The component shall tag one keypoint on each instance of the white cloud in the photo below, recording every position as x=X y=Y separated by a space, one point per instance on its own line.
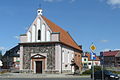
x=106 y=49
x=116 y=49
x=114 y=3
x=104 y=41
x=16 y=37
x=2 y=48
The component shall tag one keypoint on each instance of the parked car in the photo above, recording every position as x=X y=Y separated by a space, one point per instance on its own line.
x=108 y=75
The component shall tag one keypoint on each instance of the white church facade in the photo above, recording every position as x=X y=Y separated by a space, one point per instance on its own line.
x=46 y=47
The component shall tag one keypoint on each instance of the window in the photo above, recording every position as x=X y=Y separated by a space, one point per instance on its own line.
x=39 y=34
x=89 y=63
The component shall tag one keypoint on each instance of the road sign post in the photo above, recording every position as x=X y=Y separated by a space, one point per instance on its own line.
x=93 y=57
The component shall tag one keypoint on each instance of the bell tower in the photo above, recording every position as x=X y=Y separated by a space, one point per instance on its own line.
x=39 y=11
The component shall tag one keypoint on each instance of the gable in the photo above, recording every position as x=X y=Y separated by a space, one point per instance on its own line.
x=38 y=56
x=38 y=26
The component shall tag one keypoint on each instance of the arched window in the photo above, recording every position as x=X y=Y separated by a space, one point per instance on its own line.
x=29 y=36
x=39 y=34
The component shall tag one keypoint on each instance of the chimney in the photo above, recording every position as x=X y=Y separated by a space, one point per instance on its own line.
x=80 y=46
x=109 y=50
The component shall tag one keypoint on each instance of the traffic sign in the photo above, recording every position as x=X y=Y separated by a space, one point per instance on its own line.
x=93 y=47
x=93 y=56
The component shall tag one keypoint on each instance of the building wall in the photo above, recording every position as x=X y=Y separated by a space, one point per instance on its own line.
x=47 y=50
x=95 y=63
x=58 y=57
x=78 y=59
x=85 y=62
x=63 y=57
x=67 y=56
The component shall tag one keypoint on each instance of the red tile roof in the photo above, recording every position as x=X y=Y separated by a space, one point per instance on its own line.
x=110 y=53
x=88 y=55
x=64 y=35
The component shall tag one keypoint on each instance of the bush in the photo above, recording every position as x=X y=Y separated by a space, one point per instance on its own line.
x=116 y=72
x=87 y=72
x=97 y=68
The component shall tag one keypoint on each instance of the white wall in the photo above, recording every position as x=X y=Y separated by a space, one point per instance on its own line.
x=67 y=56
x=94 y=63
x=29 y=36
x=48 y=36
x=33 y=33
x=58 y=57
x=43 y=32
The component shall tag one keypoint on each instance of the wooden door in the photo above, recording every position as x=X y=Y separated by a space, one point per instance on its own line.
x=38 y=66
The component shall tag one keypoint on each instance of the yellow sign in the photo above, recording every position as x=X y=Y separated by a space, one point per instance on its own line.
x=92 y=47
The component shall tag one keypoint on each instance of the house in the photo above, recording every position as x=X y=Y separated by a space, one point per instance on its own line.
x=11 y=59
x=110 y=58
x=46 y=47
x=87 y=62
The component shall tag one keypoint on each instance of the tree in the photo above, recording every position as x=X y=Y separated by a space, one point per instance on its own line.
x=0 y=54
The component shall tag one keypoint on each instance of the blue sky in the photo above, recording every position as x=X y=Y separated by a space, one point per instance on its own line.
x=87 y=21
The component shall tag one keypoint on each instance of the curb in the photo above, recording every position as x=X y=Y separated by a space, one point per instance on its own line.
x=14 y=75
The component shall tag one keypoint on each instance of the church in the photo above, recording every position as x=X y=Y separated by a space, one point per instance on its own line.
x=46 y=48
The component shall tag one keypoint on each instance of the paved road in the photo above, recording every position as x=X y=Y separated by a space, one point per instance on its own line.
x=45 y=79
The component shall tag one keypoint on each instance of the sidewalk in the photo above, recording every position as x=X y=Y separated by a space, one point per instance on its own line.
x=27 y=75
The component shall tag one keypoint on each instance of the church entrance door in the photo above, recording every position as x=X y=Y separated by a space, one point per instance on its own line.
x=38 y=66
